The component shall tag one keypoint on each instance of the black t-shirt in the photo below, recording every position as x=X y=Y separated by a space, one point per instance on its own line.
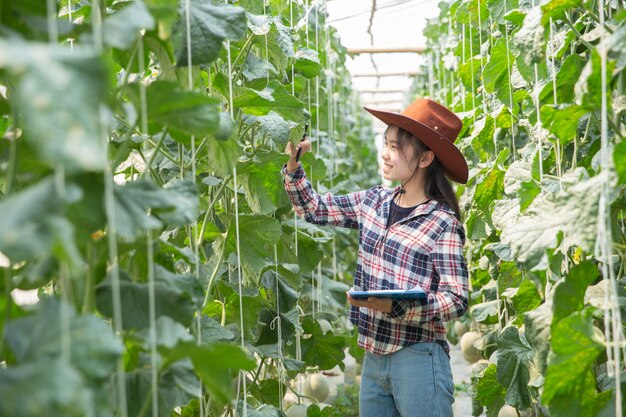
x=397 y=213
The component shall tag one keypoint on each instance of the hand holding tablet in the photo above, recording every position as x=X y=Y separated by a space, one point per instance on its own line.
x=412 y=294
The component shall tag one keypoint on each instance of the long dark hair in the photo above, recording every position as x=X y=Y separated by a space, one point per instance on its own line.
x=437 y=187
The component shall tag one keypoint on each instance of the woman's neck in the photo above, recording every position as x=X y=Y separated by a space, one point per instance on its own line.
x=414 y=193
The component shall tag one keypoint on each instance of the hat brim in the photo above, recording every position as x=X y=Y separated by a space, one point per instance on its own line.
x=450 y=156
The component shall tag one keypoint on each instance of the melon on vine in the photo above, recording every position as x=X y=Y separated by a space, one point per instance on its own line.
x=297 y=410
x=316 y=386
x=460 y=328
x=470 y=353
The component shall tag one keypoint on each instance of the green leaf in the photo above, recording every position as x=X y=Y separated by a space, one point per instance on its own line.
x=32 y=224
x=619 y=159
x=222 y=156
x=322 y=350
x=212 y=331
x=59 y=96
x=274 y=97
x=177 y=385
x=307 y=63
x=280 y=44
x=572 y=212
x=267 y=330
x=256 y=68
x=489 y=190
x=562 y=121
x=215 y=364
x=555 y=9
x=497 y=9
x=526 y=298
x=169 y=333
x=537 y=323
x=486 y=312
x=310 y=251
x=260 y=232
x=121 y=29
x=209 y=26
x=263 y=183
x=94 y=348
x=285 y=287
x=528 y=42
x=514 y=362
x=176 y=296
x=489 y=391
x=569 y=294
x=48 y=387
x=586 y=89
x=527 y=193
x=482 y=138
x=190 y=112
x=497 y=69
x=275 y=126
x=176 y=205
x=575 y=347
x=565 y=81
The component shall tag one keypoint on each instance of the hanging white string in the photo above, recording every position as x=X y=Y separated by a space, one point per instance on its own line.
x=109 y=202
x=59 y=182
x=293 y=84
x=267 y=59
x=431 y=86
x=154 y=384
x=471 y=42
x=277 y=323
x=451 y=70
x=538 y=125
x=480 y=49
x=69 y=17
x=242 y=373
x=557 y=148
x=508 y=70
x=614 y=343
x=331 y=122
x=463 y=61
x=194 y=240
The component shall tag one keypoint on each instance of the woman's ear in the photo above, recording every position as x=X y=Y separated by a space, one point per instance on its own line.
x=426 y=159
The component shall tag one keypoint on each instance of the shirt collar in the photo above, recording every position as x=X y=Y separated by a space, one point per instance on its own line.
x=421 y=210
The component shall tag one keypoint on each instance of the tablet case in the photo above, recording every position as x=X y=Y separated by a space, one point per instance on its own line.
x=413 y=294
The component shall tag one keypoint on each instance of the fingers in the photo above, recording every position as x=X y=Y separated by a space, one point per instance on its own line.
x=293 y=150
x=380 y=304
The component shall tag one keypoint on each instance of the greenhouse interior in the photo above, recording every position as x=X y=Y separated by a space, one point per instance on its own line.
x=204 y=212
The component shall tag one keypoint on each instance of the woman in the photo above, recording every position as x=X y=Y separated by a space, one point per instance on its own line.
x=409 y=235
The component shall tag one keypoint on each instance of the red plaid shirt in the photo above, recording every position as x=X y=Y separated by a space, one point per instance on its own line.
x=425 y=249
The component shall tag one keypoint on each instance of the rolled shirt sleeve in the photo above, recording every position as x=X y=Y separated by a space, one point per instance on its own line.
x=451 y=298
x=342 y=210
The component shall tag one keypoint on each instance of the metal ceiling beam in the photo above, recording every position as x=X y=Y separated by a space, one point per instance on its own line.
x=391 y=100
x=381 y=91
x=386 y=50
x=386 y=74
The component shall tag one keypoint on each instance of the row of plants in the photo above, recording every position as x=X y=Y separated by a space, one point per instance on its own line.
x=141 y=144
x=527 y=80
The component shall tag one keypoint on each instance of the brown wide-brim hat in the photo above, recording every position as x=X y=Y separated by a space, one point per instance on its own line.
x=437 y=127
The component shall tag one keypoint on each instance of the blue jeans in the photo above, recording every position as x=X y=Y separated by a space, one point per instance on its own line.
x=415 y=381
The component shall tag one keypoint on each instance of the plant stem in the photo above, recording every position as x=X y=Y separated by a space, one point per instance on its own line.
x=208 y=210
x=569 y=23
x=89 y=287
x=8 y=281
x=243 y=51
x=164 y=152
x=212 y=278
x=154 y=153
x=152 y=171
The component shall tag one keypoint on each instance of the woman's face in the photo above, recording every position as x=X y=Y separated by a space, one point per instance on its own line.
x=398 y=163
